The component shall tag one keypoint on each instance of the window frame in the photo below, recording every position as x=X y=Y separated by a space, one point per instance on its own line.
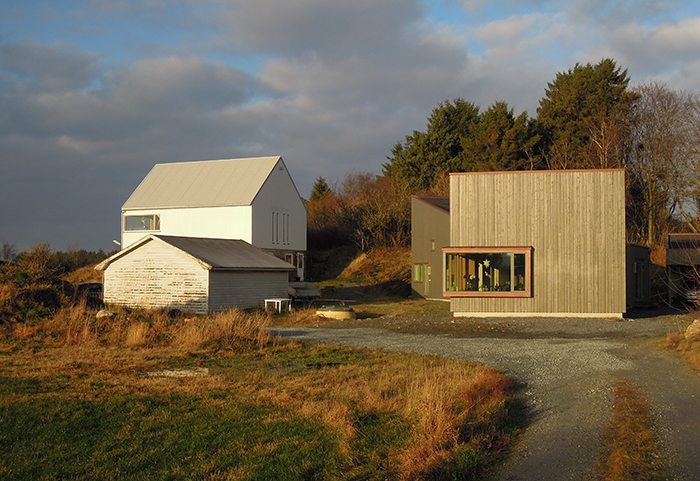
x=419 y=267
x=527 y=250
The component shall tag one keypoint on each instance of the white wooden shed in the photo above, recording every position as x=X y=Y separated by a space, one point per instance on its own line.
x=252 y=199
x=196 y=275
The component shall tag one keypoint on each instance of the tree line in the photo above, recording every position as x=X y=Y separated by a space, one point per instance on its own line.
x=589 y=118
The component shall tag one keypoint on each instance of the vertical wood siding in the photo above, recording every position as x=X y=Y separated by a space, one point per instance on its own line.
x=157 y=276
x=243 y=289
x=575 y=222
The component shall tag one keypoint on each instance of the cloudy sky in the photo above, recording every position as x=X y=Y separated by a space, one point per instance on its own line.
x=95 y=92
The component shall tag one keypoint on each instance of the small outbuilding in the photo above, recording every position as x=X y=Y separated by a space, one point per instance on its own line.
x=191 y=274
x=683 y=266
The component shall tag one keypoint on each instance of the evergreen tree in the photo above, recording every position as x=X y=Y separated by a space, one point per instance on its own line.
x=585 y=114
x=500 y=141
x=423 y=156
x=319 y=190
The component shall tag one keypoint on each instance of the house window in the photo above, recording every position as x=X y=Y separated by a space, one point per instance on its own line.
x=142 y=222
x=288 y=242
x=289 y=259
x=488 y=271
x=285 y=229
x=418 y=272
x=300 y=261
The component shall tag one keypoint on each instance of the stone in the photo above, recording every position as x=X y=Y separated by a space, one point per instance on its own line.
x=693 y=330
x=105 y=313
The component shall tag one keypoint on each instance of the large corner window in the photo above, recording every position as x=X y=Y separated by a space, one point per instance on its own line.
x=142 y=222
x=488 y=271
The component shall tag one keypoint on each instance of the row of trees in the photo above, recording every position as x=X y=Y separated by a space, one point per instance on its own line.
x=589 y=119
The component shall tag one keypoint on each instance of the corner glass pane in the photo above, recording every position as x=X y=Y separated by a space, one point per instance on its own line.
x=519 y=273
x=142 y=222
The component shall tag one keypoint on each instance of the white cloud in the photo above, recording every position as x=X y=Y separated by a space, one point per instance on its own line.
x=679 y=39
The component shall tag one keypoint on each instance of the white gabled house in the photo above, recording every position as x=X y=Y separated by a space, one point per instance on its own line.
x=252 y=199
x=193 y=274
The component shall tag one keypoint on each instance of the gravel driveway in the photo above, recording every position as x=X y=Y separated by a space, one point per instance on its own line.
x=567 y=368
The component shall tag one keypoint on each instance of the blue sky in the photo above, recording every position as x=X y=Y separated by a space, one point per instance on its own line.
x=95 y=92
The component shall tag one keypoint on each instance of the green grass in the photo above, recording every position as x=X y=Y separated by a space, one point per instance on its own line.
x=170 y=437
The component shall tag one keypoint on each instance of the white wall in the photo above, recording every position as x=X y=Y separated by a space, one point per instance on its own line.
x=209 y=222
x=279 y=196
x=156 y=276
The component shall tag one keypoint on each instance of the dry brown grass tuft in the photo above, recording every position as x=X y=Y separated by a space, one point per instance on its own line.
x=228 y=328
x=71 y=325
x=444 y=400
x=136 y=334
x=78 y=325
x=688 y=347
x=25 y=331
x=633 y=452
x=8 y=292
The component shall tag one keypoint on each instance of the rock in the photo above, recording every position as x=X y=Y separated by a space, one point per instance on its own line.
x=105 y=313
x=693 y=330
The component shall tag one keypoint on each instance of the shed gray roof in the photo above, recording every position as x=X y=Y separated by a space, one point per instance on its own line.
x=207 y=183
x=439 y=202
x=230 y=254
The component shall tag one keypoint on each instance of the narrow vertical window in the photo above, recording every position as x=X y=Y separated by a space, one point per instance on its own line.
x=288 y=240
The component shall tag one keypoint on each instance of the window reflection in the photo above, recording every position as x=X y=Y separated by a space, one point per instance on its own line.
x=475 y=271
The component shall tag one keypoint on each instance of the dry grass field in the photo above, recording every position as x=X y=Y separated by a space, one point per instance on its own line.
x=141 y=395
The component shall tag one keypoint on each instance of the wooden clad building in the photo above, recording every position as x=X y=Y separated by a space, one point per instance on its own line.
x=537 y=243
x=430 y=232
x=191 y=274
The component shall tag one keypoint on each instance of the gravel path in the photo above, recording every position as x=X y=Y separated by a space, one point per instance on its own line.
x=567 y=368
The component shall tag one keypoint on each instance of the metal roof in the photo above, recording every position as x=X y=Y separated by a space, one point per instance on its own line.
x=207 y=183
x=233 y=254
